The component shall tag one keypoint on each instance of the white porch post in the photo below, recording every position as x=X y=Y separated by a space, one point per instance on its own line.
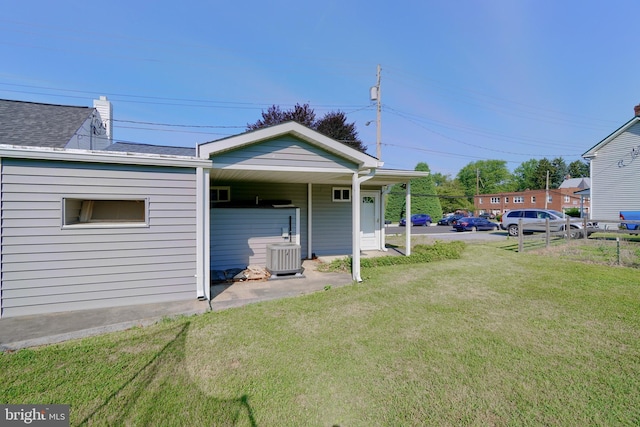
x=356 y=180
x=203 y=273
x=408 y=219
x=309 y=220
x=355 y=224
x=383 y=208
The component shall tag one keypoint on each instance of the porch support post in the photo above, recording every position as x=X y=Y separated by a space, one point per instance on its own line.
x=356 y=181
x=383 y=209
x=203 y=221
x=408 y=219
x=309 y=220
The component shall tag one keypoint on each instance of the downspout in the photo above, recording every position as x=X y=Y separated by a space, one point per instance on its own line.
x=408 y=220
x=203 y=241
x=356 y=181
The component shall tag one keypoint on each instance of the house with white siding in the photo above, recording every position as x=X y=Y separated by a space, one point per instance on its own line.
x=615 y=172
x=90 y=224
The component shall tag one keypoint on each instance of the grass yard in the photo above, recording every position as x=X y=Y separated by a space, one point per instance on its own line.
x=493 y=338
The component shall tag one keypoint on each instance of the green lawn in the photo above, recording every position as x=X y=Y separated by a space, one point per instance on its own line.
x=493 y=338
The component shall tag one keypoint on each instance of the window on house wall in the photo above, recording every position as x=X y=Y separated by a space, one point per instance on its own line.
x=495 y=200
x=567 y=198
x=533 y=199
x=220 y=194
x=506 y=200
x=108 y=212
x=341 y=194
x=549 y=199
x=518 y=199
x=479 y=200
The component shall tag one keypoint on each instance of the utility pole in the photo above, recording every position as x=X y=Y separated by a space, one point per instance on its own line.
x=375 y=96
x=546 y=196
x=477 y=181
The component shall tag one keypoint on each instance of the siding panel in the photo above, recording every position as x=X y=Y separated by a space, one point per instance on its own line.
x=282 y=153
x=615 y=176
x=239 y=236
x=47 y=268
x=331 y=223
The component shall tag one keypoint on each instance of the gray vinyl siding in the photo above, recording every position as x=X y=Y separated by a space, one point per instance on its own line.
x=331 y=231
x=239 y=236
x=615 y=188
x=285 y=152
x=247 y=219
x=48 y=268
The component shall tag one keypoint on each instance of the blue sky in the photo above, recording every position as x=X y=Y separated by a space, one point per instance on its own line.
x=461 y=81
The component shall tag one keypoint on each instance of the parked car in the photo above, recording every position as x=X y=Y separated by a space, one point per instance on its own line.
x=630 y=216
x=474 y=224
x=534 y=220
x=487 y=215
x=417 y=219
x=445 y=220
x=455 y=218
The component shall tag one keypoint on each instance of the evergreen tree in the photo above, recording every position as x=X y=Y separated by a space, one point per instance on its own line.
x=424 y=198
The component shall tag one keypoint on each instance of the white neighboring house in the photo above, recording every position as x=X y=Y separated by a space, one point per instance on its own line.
x=615 y=172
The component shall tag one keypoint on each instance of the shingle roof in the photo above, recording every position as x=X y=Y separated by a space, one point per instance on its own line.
x=581 y=183
x=40 y=125
x=131 y=147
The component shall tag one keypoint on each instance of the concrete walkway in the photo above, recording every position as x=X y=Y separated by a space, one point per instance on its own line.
x=30 y=331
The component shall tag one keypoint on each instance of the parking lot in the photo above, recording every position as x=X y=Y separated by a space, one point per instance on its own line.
x=444 y=232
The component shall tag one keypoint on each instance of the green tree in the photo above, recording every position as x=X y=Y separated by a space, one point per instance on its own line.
x=524 y=175
x=540 y=175
x=333 y=124
x=559 y=172
x=424 y=197
x=487 y=176
x=579 y=169
x=451 y=193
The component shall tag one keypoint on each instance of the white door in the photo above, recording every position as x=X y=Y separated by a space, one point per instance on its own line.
x=369 y=220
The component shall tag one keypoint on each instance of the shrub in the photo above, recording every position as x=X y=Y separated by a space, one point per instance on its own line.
x=420 y=254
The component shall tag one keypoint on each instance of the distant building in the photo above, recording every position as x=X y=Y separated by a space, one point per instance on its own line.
x=559 y=199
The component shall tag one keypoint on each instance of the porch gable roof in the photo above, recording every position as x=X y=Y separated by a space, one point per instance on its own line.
x=359 y=159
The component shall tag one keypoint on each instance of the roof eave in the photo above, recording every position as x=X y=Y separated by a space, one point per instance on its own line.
x=592 y=152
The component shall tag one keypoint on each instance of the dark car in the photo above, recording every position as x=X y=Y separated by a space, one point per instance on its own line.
x=455 y=218
x=445 y=220
x=417 y=219
x=473 y=223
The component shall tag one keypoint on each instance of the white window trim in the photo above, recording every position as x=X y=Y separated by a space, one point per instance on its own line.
x=342 y=189
x=105 y=224
x=518 y=199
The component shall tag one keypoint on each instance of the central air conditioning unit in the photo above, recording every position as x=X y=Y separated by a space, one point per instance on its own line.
x=284 y=259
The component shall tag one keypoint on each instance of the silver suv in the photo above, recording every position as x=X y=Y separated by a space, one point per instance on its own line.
x=535 y=220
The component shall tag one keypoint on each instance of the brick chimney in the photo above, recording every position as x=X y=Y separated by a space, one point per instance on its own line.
x=636 y=110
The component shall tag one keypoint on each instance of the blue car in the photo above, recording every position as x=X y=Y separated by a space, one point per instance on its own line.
x=474 y=224
x=417 y=219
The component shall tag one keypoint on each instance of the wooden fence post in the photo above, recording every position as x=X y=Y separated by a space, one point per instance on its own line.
x=520 y=236
x=547 y=232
